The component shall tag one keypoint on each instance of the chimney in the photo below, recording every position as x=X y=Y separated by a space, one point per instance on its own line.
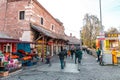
x=70 y=34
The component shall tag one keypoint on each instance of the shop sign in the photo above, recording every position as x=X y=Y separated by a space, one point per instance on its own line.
x=102 y=37
x=50 y=43
x=112 y=35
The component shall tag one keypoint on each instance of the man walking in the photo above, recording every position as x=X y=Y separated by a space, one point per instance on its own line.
x=72 y=53
x=61 y=57
x=78 y=56
x=98 y=54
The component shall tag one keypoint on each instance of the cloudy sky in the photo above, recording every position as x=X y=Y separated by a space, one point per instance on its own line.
x=71 y=12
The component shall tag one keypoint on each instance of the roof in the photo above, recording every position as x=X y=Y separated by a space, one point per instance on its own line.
x=73 y=40
x=4 y=38
x=48 y=32
x=3 y=35
x=44 y=31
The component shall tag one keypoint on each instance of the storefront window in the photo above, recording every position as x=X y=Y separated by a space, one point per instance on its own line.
x=7 y=48
x=54 y=49
x=48 y=49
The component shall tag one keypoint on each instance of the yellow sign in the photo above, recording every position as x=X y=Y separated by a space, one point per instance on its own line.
x=112 y=35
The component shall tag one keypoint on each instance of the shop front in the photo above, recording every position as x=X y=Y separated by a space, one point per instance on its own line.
x=8 y=45
x=47 y=40
x=8 y=62
x=111 y=42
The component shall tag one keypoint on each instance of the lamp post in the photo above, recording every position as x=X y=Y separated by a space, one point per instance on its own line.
x=102 y=33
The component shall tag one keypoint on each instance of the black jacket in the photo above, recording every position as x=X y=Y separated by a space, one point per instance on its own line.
x=61 y=55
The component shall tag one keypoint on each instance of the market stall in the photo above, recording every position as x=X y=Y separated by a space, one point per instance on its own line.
x=8 y=61
x=26 y=56
x=111 y=42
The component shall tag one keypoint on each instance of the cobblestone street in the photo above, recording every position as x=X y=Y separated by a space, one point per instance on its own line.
x=89 y=70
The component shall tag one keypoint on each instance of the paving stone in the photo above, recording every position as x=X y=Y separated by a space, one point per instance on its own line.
x=89 y=70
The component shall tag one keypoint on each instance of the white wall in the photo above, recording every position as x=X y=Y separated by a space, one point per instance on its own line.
x=26 y=36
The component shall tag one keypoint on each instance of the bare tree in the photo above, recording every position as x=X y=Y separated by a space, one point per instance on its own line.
x=90 y=30
x=112 y=30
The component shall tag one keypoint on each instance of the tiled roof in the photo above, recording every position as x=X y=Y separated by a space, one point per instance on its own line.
x=3 y=35
x=73 y=40
x=48 y=32
x=43 y=30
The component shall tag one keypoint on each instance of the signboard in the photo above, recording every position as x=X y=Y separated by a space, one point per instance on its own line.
x=107 y=58
x=102 y=37
x=112 y=34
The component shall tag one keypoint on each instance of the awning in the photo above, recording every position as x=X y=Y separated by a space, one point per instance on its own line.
x=3 y=35
x=6 y=40
x=44 y=31
x=48 y=32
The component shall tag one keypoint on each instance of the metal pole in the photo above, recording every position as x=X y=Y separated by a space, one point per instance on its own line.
x=102 y=31
x=100 y=15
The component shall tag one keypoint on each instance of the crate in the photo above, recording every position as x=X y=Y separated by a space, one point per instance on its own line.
x=4 y=73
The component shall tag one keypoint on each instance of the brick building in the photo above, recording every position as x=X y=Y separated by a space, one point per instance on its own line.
x=28 y=20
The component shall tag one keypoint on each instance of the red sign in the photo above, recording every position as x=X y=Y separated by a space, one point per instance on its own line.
x=50 y=43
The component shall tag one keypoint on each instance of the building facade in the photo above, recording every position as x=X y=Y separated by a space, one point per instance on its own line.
x=28 y=20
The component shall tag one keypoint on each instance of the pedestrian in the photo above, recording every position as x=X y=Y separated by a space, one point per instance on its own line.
x=61 y=57
x=65 y=53
x=78 y=56
x=98 y=54
x=48 y=57
x=69 y=53
x=72 y=52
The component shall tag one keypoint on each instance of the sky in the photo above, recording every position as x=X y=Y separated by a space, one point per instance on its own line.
x=72 y=12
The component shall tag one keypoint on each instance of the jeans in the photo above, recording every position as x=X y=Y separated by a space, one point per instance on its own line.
x=62 y=63
x=98 y=57
x=79 y=60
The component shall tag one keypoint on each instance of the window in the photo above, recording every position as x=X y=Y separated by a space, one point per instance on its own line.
x=8 y=48
x=22 y=15
x=41 y=21
x=52 y=27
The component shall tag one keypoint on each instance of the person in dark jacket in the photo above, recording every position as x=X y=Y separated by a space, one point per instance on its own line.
x=61 y=57
x=65 y=53
x=78 y=55
x=98 y=54
x=72 y=53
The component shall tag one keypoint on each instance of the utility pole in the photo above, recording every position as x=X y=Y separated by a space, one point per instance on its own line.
x=100 y=15
x=102 y=33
